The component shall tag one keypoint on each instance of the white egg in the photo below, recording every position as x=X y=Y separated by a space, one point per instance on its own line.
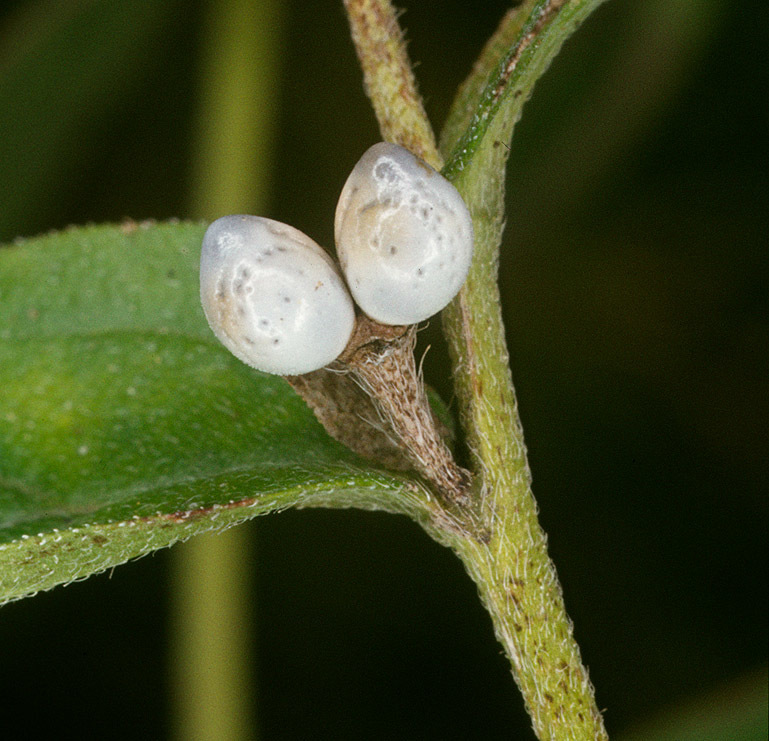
x=404 y=236
x=272 y=296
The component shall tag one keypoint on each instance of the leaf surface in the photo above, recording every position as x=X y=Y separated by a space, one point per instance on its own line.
x=125 y=426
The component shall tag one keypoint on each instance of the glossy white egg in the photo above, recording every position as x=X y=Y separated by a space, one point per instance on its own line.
x=272 y=296
x=404 y=236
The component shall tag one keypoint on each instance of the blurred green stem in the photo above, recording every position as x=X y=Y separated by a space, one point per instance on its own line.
x=212 y=635
x=213 y=590
x=237 y=112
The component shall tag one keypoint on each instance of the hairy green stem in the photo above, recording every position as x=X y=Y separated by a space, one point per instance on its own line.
x=516 y=579
x=515 y=576
x=388 y=78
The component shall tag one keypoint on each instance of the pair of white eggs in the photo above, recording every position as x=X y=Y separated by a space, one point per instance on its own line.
x=278 y=302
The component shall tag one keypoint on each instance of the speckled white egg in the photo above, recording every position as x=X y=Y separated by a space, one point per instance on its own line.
x=404 y=236
x=272 y=296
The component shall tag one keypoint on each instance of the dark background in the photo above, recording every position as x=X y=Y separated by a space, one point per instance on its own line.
x=634 y=275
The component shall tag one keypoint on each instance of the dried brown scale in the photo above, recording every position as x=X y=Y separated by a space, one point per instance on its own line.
x=373 y=400
x=346 y=411
x=386 y=369
x=349 y=415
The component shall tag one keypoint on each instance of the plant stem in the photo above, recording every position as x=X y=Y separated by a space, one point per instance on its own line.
x=236 y=118
x=516 y=579
x=388 y=78
x=213 y=597
x=515 y=576
x=212 y=581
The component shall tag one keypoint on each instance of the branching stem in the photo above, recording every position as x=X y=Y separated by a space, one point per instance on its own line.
x=510 y=564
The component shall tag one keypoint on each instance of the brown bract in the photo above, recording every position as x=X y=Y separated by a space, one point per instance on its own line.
x=372 y=399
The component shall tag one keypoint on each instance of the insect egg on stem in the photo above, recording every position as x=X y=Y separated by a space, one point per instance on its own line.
x=404 y=236
x=272 y=296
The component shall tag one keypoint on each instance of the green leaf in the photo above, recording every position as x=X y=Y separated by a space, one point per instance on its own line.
x=497 y=106
x=125 y=426
x=471 y=91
